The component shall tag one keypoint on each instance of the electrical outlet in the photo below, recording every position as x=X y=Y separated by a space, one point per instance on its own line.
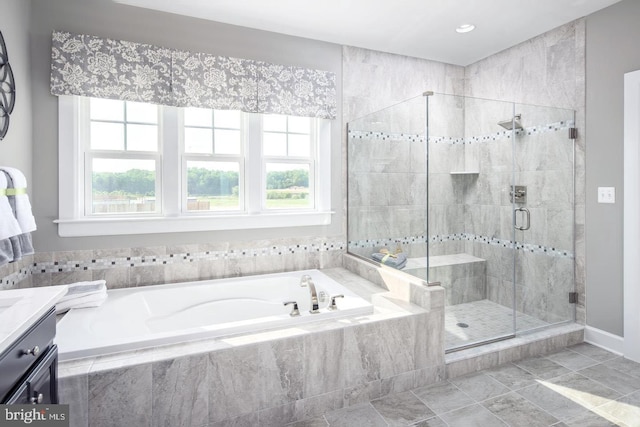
x=606 y=194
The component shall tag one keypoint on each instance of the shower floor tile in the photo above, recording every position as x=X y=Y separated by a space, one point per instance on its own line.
x=484 y=320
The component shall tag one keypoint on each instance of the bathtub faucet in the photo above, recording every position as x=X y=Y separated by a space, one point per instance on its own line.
x=306 y=281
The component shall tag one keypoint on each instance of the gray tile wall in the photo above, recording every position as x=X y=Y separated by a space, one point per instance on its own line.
x=546 y=70
x=130 y=267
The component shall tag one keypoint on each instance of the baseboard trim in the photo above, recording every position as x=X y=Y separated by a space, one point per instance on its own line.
x=604 y=339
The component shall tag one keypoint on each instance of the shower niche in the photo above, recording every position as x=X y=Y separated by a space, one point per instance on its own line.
x=435 y=189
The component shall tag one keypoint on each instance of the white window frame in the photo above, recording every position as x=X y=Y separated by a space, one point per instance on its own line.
x=173 y=217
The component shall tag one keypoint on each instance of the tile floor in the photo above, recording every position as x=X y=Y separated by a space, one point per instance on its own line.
x=485 y=319
x=581 y=386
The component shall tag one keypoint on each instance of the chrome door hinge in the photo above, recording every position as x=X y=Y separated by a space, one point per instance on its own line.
x=573 y=133
x=573 y=297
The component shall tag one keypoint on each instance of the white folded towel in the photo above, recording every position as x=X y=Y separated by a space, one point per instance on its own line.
x=92 y=300
x=9 y=226
x=23 y=206
x=82 y=295
x=83 y=289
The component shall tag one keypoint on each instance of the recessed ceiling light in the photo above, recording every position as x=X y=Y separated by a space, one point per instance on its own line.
x=465 y=28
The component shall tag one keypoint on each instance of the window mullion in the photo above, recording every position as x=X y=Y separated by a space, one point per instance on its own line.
x=172 y=176
x=254 y=169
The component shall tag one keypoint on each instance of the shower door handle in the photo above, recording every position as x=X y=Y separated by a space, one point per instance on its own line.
x=527 y=215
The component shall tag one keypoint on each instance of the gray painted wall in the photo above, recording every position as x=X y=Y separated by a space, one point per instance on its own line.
x=612 y=51
x=15 y=148
x=108 y=19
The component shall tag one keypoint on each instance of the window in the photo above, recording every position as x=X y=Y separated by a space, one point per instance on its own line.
x=213 y=160
x=144 y=168
x=123 y=158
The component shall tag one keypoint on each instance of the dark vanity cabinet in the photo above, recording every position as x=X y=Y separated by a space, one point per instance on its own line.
x=29 y=367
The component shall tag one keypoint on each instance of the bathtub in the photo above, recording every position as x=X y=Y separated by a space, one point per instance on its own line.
x=135 y=318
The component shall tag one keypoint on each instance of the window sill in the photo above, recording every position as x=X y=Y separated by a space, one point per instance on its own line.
x=149 y=225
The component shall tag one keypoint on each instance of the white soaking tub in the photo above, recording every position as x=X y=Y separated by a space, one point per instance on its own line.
x=135 y=318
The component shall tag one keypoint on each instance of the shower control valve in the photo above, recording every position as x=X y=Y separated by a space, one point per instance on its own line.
x=518 y=193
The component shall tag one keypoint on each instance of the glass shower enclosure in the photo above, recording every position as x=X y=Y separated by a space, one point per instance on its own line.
x=477 y=195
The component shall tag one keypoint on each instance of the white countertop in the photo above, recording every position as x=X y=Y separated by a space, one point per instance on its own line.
x=20 y=308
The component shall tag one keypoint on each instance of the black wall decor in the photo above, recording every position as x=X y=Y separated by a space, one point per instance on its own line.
x=7 y=89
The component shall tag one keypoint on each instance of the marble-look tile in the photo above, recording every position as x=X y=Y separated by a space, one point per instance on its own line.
x=149 y=251
x=512 y=376
x=397 y=346
x=280 y=415
x=551 y=401
x=180 y=392
x=399 y=383
x=247 y=420
x=115 y=278
x=625 y=409
x=428 y=376
x=121 y=397
x=431 y=422
x=401 y=409
x=212 y=269
x=358 y=415
x=73 y=391
x=624 y=365
x=515 y=410
x=472 y=416
x=147 y=275
x=80 y=255
x=362 y=393
x=361 y=354
x=542 y=367
x=254 y=377
x=612 y=378
x=314 y=422
x=571 y=360
x=316 y=406
x=443 y=397
x=184 y=271
x=592 y=419
x=111 y=253
x=324 y=362
x=479 y=386
x=593 y=352
x=66 y=278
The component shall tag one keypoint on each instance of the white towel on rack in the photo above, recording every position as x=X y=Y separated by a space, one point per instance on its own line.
x=9 y=226
x=23 y=207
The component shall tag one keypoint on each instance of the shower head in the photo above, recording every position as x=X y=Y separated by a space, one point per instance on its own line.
x=512 y=123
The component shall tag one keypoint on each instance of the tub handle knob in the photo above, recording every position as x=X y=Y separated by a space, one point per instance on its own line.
x=333 y=305
x=294 y=311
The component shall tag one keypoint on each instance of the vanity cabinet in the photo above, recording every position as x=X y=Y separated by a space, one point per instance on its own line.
x=28 y=367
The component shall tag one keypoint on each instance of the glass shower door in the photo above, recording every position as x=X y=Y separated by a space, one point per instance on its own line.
x=470 y=217
x=544 y=217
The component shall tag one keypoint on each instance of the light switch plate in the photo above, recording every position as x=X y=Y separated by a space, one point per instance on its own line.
x=606 y=194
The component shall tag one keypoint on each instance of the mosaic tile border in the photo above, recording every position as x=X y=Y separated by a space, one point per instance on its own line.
x=509 y=244
x=177 y=258
x=165 y=259
x=16 y=277
x=497 y=136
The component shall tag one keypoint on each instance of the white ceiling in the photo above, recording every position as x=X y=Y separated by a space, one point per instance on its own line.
x=420 y=28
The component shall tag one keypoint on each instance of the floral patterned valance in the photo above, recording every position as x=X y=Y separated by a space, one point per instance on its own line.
x=92 y=66
x=104 y=68
x=203 y=80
